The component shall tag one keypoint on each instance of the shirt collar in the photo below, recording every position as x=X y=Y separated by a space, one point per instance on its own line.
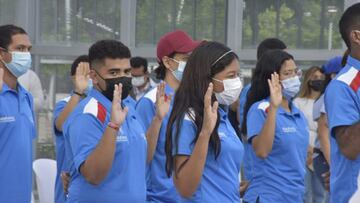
x=20 y=88
x=222 y=113
x=353 y=62
x=101 y=98
x=294 y=110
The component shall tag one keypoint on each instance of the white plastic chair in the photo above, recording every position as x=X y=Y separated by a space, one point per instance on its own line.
x=45 y=173
x=356 y=197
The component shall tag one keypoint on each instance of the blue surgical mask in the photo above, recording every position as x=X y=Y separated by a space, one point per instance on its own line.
x=89 y=87
x=291 y=87
x=178 y=73
x=20 y=63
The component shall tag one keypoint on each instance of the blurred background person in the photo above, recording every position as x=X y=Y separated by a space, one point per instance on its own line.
x=310 y=90
x=31 y=82
x=140 y=77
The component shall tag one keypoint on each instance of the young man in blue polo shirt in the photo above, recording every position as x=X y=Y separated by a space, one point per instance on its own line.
x=342 y=104
x=106 y=138
x=17 y=120
x=82 y=84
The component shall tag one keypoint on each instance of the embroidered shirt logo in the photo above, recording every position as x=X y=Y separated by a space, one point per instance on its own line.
x=222 y=135
x=7 y=119
x=289 y=129
x=121 y=137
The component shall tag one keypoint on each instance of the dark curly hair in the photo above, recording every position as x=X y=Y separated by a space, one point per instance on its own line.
x=103 y=49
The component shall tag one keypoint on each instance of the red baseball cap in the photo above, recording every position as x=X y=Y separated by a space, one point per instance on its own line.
x=175 y=42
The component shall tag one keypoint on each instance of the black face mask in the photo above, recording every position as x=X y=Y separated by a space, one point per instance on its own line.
x=110 y=86
x=316 y=85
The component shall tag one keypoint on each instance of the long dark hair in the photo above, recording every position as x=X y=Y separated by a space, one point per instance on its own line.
x=269 y=63
x=189 y=97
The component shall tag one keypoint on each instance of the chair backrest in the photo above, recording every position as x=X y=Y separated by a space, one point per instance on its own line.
x=45 y=173
x=356 y=197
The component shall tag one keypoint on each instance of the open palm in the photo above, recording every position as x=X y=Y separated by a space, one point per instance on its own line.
x=210 y=111
x=82 y=77
x=118 y=113
x=275 y=90
x=163 y=101
x=1 y=78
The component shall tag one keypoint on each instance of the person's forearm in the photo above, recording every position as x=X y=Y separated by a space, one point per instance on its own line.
x=96 y=167
x=74 y=100
x=188 y=176
x=324 y=139
x=348 y=139
x=263 y=142
x=152 y=136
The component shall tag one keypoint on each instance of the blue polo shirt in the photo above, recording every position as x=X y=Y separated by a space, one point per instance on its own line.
x=279 y=177
x=60 y=152
x=17 y=130
x=247 y=155
x=84 y=128
x=160 y=188
x=220 y=179
x=342 y=104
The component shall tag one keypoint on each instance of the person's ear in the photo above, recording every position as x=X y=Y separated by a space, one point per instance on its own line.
x=355 y=37
x=166 y=61
x=93 y=77
x=4 y=55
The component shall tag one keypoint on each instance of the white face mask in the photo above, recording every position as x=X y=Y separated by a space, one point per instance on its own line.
x=178 y=73
x=138 y=81
x=232 y=89
x=20 y=63
x=291 y=87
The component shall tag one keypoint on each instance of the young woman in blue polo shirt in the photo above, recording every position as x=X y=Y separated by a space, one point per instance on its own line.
x=203 y=151
x=277 y=131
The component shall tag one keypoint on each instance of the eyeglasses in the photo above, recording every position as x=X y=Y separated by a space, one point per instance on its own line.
x=296 y=72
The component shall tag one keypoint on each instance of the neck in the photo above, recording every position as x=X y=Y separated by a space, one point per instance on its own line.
x=142 y=87
x=285 y=104
x=171 y=80
x=9 y=79
x=355 y=54
x=314 y=94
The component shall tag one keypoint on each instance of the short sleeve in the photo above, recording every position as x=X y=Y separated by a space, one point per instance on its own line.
x=318 y=108
x=59 y=107
x=256 y=119
x=145 y=108
x=340 y=105
x=84 y=140
x=242 y=102
x=186 y=139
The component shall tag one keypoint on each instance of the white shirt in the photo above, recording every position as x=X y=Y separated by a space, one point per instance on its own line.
x=31 y=82
x=306 y=106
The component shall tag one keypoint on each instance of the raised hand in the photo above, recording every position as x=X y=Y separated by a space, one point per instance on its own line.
x=275 y=90
x=163 y=101
x=118 y=114
x=210 y=112
x=82 y=77
x=1 y=78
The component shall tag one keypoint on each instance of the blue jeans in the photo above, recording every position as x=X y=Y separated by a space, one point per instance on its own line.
x=314 y=190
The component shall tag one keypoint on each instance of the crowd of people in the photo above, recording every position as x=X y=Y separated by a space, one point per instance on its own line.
x=198 y=135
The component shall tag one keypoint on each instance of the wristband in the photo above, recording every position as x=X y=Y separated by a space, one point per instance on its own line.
x=113 y=126
x=77 y=93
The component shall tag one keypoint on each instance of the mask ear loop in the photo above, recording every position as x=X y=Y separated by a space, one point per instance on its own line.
x=97 y=73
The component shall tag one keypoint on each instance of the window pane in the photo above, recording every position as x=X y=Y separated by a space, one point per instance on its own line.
x=79 y=20
x=8 y=12
x=202 y=19
x=310 y=24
